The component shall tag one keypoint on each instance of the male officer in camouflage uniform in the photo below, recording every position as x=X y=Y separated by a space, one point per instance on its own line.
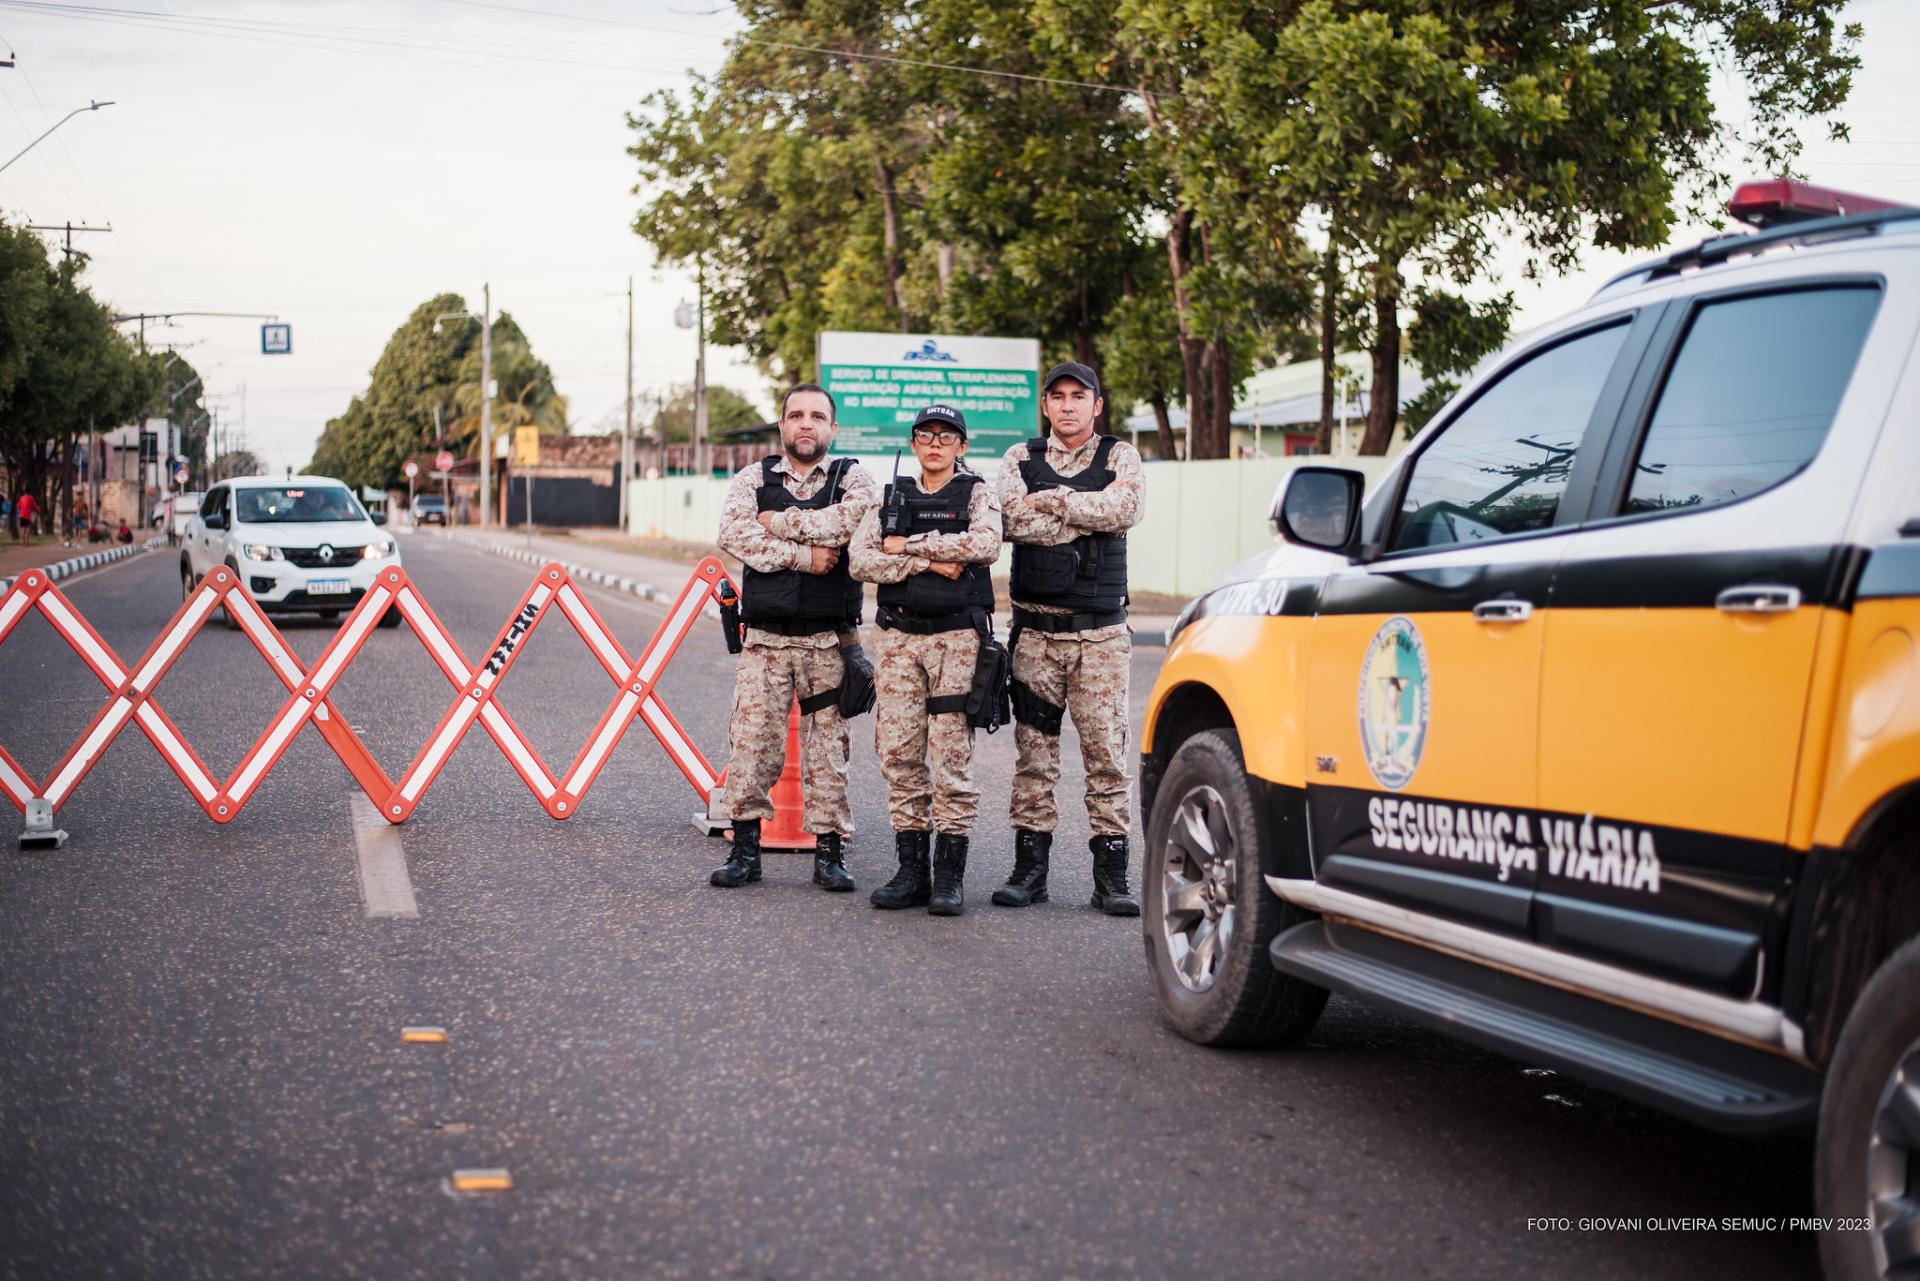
x=934 y=603
x=1070 y=497
x=788 y=519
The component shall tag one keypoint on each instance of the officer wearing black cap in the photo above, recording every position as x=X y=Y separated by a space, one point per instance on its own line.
x=1069 y=499
x=930 y=545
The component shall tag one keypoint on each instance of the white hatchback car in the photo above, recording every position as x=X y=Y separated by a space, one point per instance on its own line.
x=299 y=545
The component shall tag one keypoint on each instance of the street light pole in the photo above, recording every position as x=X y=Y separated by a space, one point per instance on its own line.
x=702 y=451
x=486 y=395
x=56 y=124
x=626 y=428
x=486 y=406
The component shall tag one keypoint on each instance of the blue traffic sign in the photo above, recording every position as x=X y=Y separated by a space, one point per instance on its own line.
x=276 y=339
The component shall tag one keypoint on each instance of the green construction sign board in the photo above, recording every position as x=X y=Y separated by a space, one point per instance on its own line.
x=880 y=381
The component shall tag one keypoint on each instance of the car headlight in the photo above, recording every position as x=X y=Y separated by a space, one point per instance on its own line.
x=375 y=551
x=260 y=551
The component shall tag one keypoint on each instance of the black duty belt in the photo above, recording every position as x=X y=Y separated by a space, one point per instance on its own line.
x=1027 y=619
x=797 y=626
x=900 y=620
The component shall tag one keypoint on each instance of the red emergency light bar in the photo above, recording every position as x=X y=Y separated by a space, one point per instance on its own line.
x=1773 y=202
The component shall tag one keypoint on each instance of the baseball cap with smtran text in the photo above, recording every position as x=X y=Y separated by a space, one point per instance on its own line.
x=943 y=415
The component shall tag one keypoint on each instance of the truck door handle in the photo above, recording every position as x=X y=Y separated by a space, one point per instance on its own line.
x=1765 y=599
x=1503 y=611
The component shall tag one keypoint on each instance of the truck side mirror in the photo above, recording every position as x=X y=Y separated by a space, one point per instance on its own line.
x=1319 y=507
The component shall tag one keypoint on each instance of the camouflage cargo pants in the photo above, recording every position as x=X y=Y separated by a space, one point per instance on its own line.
x=909 y=670
x=768 y=679
x=1089 y=679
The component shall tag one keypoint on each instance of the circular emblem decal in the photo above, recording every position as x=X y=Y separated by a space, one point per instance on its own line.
x=1395 y=701
x=326 y=552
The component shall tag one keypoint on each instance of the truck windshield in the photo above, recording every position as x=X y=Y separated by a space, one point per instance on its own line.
x=295 y=504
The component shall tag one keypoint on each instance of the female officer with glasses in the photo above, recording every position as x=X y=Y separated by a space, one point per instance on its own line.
x=930 y=546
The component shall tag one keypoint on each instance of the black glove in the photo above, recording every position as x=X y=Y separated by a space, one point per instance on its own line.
x=856 y=681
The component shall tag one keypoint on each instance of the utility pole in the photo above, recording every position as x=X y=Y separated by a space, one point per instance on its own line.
x=626 y=429
x=486 y=405
x=702 y=455
x=69 y=228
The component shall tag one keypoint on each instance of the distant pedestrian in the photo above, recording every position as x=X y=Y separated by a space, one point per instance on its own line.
x=29 y=508
x=126 y=534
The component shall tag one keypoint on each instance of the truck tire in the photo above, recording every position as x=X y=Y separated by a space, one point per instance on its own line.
x=1208 y=916
x=1867 y=1155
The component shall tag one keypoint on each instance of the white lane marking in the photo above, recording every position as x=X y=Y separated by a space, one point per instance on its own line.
x=384 y=886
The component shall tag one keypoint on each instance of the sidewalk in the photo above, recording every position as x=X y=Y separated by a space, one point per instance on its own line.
x=62 y=562
x=661 y=577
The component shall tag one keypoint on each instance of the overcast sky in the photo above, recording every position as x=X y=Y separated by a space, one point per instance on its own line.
x=337 y=163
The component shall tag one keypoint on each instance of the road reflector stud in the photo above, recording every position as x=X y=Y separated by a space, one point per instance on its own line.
x=482 y=1181
x=424 y=1035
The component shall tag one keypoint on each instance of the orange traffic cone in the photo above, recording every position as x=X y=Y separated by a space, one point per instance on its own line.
x=786 y=830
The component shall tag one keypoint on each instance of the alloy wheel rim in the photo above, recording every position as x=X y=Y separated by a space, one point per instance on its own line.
x=1200 y=916
x=1893 y=1171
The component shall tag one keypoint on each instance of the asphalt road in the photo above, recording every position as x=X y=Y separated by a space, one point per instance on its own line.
x=201 y=1071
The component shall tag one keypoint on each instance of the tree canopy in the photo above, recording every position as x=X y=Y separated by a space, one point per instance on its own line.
x=64 y=369
x=424 y=393
x=1176 y=194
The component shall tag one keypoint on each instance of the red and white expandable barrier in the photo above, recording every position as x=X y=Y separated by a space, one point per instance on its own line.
x=130 y=688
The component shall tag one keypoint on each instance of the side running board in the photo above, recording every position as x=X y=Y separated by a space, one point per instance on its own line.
x=1703 y=1078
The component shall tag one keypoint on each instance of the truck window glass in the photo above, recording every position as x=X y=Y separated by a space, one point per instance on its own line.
x=1750 y=396
x=1501 y=465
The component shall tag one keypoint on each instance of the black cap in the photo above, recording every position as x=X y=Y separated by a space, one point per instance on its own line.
x=1082 y=374
x=945 y=415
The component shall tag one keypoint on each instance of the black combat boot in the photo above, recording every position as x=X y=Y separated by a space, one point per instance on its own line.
x=912 y=884
x=743 y=863
x=1027 y=883
x=949 y=871
x=1110 y=892
x=828 y=872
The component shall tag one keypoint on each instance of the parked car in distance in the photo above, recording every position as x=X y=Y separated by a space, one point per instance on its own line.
x=429 y=509
x=186 y=506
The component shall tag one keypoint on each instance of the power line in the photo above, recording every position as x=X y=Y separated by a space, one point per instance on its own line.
x=893 y=59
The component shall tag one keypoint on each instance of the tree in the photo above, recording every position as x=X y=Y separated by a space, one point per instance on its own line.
x=1448 y=337
x=727 y=410
x=1425 y=128
x=425 y=392
x=63 y=367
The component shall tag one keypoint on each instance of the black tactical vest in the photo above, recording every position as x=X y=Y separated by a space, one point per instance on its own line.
x=791 y=601
x=927 y=594
x=1087 y=575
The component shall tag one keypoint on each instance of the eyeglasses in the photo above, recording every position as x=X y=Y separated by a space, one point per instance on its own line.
x=927 y=436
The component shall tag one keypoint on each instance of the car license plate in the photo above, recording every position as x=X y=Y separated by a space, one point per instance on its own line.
x=328 y=587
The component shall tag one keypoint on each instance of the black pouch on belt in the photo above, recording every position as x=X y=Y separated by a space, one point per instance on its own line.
x=856 y=682
x=730 y=615
x=985 y=701
x=1028 y=707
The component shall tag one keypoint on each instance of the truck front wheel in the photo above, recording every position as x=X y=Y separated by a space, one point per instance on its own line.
x=1208 y=915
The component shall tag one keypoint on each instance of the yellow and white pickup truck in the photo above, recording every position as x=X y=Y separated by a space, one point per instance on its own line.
x=1592 y=736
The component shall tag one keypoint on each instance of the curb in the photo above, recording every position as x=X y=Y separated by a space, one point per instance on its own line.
x=92 y=560
x=1152 y=640
x=617 y=582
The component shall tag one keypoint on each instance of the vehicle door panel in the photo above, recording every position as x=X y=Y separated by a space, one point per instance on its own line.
x=1680 y=647
x=1422 y=710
